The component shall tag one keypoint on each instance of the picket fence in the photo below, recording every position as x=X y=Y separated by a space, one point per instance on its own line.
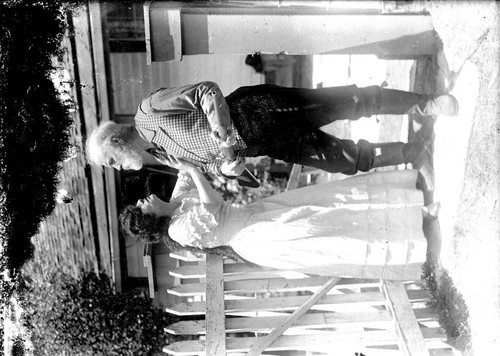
x=237 y=309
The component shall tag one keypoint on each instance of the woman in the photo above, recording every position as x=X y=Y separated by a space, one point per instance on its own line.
x=367 y=226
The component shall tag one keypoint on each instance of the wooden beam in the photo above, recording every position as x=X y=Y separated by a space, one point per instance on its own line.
x=268 y=323
x=101 y=85
x=147 y=32
x=91 y=109
x=148 y=263
x=265 y=324
x=289 y=303
x=407 y=35
x=411 y=341
x=198 y=271
x=272 y=285
x=184 y=255
x=215 y=315
x=162 y=25
x=244 y=30
x=353 y=341
x=260 y=347
x=281 y=303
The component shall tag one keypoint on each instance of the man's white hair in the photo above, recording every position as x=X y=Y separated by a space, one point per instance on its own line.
x=99 y=143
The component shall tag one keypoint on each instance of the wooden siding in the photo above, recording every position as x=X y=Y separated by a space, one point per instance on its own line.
x=132 y=79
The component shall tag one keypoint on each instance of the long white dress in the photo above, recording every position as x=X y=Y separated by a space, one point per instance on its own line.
x=367 y=226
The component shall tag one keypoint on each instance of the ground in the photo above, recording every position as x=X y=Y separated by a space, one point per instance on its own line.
x=467 y=169
x=466 y=163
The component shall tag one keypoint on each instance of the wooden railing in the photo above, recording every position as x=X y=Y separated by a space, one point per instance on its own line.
x=250 y=309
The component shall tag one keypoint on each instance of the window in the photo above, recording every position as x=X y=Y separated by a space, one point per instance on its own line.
x=125 y=26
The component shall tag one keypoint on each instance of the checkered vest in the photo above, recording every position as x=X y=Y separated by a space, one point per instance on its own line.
x=184 y=135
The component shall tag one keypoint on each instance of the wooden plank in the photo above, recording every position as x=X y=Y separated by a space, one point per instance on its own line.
x=162 y=22
x=148 y=263
x=293 y=181
x=266 y=324
x=147 y=32
x=237 y=270
x=215 y=316
x=83 y=45
x=272 y=285
x=402 y=36
x=287 y=303
x=184 y=255
x=101 y=70
x=260 y=347
x=108 y=243
x=411 y=340
x=434 y=339
x=326 y=342
x=279 y=303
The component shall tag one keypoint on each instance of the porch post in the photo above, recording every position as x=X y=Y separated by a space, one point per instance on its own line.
x=282 y=29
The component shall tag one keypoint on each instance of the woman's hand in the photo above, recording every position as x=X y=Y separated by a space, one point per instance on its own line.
x=175 y=162
x=235 y=168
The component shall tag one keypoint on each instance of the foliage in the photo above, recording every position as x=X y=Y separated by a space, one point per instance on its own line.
x=448 y=302
x=270 y=184
x=137 y=185
x=85 y=316
x=33 y=121
x=140 y=184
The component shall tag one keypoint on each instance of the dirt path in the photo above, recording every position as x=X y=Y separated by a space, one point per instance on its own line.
x=467 y=163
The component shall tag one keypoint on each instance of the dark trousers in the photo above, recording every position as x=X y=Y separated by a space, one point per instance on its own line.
x=284 y=123
x=323 y=151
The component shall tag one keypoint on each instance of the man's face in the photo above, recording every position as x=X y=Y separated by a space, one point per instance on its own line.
x=124 y=157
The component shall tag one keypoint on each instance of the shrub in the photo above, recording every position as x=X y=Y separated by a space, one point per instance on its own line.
x=450 y=306
x=85 y=316
x=34 y=122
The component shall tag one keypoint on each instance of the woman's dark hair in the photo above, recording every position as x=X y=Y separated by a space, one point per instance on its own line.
x=149 y=228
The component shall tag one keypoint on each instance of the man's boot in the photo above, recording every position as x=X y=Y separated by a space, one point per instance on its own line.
x=421 y=158
x=397 y=102
x=395 y=153
x=374 y=100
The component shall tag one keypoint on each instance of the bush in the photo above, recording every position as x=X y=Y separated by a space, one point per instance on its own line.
x=85 y=316
x=449 y=304
x=34 y=122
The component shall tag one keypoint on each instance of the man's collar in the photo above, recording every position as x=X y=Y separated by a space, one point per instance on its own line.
x=145 y=134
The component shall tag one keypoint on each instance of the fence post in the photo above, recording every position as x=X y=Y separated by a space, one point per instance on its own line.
x=215 y=316
x=411 y=340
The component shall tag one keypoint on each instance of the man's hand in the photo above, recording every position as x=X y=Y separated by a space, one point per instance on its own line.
x=233 y=169
x=224 y=136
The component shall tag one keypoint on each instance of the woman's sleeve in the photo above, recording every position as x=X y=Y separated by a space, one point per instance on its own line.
x=196 y=223
x=183 y=185
x=181 y=231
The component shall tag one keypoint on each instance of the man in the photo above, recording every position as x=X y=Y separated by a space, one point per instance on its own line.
x=196 y=122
